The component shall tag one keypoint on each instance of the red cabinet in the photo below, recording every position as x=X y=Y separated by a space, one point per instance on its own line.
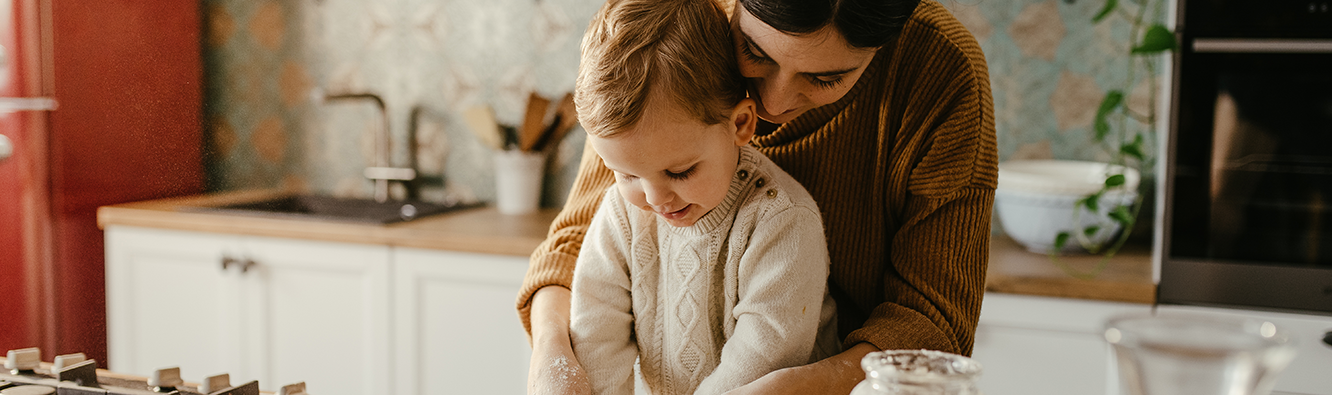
x=127 y=77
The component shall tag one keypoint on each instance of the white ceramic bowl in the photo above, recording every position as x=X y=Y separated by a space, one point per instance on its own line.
x=1060 y=177
x=1035 y=201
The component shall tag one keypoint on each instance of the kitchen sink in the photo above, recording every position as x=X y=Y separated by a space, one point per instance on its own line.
x=329 y=208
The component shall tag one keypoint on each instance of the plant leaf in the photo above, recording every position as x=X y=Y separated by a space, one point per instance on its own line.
x=1061 y=239
x=1111 y=102
x=1134 y=149
x=1091 y=230
x=1114 y=181
x=1092 y=201
x=1157 y=39
x=1121 y=215
x=1109 y=7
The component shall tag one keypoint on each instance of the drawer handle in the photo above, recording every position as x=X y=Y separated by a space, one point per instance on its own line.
x=249 y=263
x=227 y=261
x=1327 y=339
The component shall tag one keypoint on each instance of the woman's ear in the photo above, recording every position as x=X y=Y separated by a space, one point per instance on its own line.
x=745 y=120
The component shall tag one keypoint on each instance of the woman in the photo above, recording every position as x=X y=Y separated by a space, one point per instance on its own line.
x=882 y=110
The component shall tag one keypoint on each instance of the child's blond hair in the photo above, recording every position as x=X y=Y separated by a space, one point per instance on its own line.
x=631 y=46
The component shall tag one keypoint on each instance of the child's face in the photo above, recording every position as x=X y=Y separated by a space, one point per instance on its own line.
x=672 y=164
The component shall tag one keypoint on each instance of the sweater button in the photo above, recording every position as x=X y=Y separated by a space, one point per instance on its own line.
x=760 y=183
x=744 y=174
x=772 y=193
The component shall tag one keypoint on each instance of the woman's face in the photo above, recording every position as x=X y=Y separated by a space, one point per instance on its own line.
x=793 y=74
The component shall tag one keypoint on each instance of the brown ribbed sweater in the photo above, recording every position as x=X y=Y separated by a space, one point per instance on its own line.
x=903 y=168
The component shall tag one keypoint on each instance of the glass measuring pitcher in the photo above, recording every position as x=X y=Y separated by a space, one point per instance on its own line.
x=1185 y=354
x=918 y=372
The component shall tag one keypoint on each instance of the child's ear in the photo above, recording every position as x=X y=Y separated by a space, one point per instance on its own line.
x=745 y=119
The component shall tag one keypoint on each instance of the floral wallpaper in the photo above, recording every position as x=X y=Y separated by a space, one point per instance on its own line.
x=269 y=62
x=1050 y=66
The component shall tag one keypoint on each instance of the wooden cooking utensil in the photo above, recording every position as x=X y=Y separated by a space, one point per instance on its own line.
x=481 y=120
x=532 y=126
x=565 y=117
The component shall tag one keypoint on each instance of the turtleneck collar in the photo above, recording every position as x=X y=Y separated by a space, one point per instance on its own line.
x=746 y=171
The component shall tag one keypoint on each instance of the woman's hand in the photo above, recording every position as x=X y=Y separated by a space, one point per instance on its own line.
x=838 y=374
x=554 y=369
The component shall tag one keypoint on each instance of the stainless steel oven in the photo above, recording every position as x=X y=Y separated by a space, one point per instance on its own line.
x=1248 y=182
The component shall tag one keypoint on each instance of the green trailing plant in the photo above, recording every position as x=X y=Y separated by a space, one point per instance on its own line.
x=1122 y=132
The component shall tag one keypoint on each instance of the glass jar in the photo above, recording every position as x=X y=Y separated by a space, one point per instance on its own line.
x=918 y=372
x=1185 y=354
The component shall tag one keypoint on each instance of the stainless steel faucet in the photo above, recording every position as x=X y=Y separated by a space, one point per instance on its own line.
x=383 y=171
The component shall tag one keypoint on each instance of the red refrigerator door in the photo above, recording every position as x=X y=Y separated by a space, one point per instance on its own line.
x=24 y=203
x=128 y=79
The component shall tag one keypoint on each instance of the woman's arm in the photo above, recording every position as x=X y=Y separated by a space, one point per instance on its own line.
x=553 y=370
x=933 y=294
x=940 y=249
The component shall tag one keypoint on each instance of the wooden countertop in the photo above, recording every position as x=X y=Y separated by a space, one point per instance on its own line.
x=481 y=230
x=1126 y=278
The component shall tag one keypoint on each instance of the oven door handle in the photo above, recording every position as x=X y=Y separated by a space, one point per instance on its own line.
x=1248 y=45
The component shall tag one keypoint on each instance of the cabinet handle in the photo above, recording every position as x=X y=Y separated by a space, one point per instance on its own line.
x=227 y=261
x=1327 y=339
x=249 y=263
x=6 y=147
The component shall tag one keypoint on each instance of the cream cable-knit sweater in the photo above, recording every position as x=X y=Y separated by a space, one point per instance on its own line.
x=713 y=306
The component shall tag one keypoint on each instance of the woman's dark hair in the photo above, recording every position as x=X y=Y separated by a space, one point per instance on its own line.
x=864 y=23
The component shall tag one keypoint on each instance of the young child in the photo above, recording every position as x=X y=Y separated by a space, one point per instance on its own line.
x=705 y=262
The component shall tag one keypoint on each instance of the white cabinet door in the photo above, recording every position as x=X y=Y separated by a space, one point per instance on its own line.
x=1035 y=345
x=283 y=311
x=170 y=302
x=455 y=324
x=318 y=312
x=1028 y=361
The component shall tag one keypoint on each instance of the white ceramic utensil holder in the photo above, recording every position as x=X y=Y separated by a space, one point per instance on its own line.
x=518 y=177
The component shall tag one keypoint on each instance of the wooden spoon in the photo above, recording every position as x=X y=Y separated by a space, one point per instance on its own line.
x=532 y=126
x=481 y=120
x=565 y=117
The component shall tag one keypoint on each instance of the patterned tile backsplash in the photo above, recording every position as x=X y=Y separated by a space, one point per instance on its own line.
x=269 y=62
